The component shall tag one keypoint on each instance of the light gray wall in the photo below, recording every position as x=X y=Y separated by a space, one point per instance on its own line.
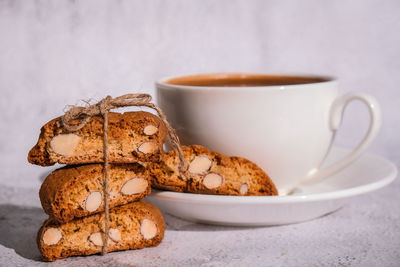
x=54 y=53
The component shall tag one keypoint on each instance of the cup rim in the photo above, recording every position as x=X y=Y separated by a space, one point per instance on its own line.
x=161 y=83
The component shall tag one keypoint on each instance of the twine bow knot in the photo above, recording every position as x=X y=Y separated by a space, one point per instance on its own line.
x=77 y=117
x=83 y=114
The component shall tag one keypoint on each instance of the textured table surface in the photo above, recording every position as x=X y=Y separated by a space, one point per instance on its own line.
x=365 y=232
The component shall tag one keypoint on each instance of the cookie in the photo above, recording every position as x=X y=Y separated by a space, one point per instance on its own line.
x=132 y=226
x=210 y=172
x=132 y=137
x=77 y=191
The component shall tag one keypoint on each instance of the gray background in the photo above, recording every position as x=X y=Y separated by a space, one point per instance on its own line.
x=54 y=53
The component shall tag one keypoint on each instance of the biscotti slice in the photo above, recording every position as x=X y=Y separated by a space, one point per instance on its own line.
x=132 y=226
x=211 y=173
x=77 y=191
x=132 y=137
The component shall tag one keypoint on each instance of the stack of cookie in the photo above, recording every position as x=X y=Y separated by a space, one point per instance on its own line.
x=73 y=197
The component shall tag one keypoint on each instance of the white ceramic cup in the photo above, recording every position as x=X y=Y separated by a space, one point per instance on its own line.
x=285 y=124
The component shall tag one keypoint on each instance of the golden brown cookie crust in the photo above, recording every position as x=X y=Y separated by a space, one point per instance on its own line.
x=128 y=220
x=73 y=191
x=238 y=176
x=127 y=133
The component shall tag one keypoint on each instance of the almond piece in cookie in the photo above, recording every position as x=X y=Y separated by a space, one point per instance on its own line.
x=115 y=234
x=64 y=144
x=243 y=189
x=135 y=186
x=96 y=239
x=52 y=236
x=148 y=147
x=200 y=164
x=93 y=201
x=150 y=130
x=212 y=180
x=148 y=229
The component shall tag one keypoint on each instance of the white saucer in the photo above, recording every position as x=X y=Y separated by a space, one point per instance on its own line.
x=367 y=174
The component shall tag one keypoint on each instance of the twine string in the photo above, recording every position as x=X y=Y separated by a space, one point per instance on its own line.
x=77 y=117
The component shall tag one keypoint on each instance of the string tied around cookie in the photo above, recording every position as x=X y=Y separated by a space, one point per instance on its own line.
x=77 y=117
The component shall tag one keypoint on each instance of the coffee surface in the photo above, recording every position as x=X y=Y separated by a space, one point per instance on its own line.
x=243 y=80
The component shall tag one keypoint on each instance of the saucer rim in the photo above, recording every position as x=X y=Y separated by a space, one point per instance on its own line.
x=342 y=193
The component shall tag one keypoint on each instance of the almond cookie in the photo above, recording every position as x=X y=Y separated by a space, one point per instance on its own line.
x=132 y=137
x=210 y=172
x=132 y=226
x=77 y=191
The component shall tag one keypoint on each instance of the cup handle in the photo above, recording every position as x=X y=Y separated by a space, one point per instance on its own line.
x=336 y=115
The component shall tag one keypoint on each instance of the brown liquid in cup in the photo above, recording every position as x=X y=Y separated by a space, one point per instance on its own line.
x=243 y=80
